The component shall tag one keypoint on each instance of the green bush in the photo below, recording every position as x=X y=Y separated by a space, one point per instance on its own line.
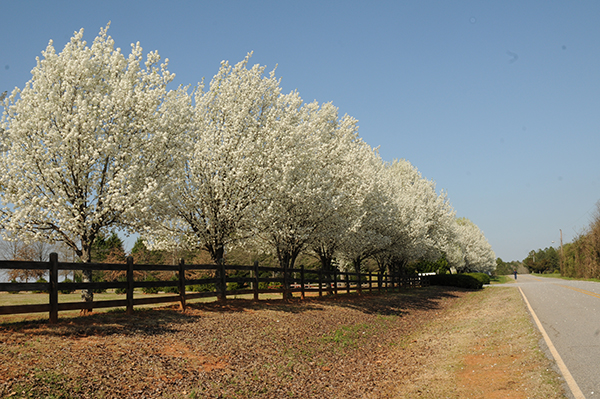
x=98 y=277
x=172 y=290
x=66 y=291
x=150 y=290
x=264 y=285
x=201 y=288
x=238 y=285
x=41 y=280
x=14 y=281
x=121 y=279
x=234 y=286
x=484 y=278
x=456 y=280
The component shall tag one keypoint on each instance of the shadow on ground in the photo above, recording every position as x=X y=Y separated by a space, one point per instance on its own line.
x=166 y=320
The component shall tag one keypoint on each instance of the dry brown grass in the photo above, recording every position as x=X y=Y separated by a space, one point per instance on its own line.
x=484 y=346
x=430 y=343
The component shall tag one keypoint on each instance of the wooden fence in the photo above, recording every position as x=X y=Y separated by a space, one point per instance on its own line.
x=281 y=281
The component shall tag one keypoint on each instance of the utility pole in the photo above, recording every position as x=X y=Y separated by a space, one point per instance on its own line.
x=561 y=251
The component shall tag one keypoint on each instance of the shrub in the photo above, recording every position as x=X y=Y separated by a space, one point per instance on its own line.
x=40 y=280
x=172 y=290
x=234 y=286
x=150 y=290
x=264 y=285
x=484 y=278
x=238 y=285
x=456 y=280
x=98 y=277
x=201 y=287
x=14 y=281
x=66 y=291
x=121 y=290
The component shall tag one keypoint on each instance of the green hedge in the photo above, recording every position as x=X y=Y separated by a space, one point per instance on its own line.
x=456 y=280
x=484 y=278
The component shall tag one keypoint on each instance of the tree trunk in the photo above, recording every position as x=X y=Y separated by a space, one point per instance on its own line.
x=87 y=295
x=217 y=253
x=326 y=266
x=284 y=263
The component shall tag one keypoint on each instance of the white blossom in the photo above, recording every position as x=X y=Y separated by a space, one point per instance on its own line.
x=86 y=144
x=471 y=251
x=307 y=177
x=370 y=215
x=219 y=179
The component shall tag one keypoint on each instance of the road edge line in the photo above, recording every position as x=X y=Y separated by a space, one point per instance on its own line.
x=559 y=362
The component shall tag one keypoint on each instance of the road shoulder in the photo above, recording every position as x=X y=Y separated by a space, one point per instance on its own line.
x=484 y=346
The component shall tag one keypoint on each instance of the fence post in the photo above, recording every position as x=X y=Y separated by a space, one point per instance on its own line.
x=320 y=282
x=222 y=284
x=347 y=277
x=53 y=291
x=370 y=277
x=255 y=282
x=302 y=293
x=286 y=283
x=359 y=282
x=129 y=285
x=182 y=284
x=335 y=281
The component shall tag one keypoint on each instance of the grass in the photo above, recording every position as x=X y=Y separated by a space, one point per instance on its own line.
x=558 y=275
x=350 y=336
x=472 y=344
x=500 y=279
x=29 y=298
x=484 y=346
x=552 y=275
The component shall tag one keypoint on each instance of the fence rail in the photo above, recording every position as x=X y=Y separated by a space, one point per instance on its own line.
x=286 y=281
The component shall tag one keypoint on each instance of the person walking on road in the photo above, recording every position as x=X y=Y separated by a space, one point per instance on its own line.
x=515 y=274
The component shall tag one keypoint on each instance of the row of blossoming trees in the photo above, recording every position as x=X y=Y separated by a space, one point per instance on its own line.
x=95 y=141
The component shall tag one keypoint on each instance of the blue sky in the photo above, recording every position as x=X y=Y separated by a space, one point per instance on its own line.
x=497 y=102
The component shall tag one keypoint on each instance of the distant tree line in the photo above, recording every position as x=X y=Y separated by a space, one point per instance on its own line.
x=503 y=268
x=581 y=258
x=578 y=259
x=543 y=261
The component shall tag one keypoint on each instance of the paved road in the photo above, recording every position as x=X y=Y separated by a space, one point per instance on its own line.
x=570 y=313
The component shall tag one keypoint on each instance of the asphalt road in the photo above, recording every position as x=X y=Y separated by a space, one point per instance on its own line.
x=569 y=311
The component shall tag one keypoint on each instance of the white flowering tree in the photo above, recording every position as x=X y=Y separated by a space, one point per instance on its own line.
x=86 y=143
x=342 y=150
x=423 y=221
x=370 y=216
x=304 y=178
x=471 y=251
x=219 y=180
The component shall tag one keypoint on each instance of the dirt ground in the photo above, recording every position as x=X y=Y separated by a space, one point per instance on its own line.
x=434 y=342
